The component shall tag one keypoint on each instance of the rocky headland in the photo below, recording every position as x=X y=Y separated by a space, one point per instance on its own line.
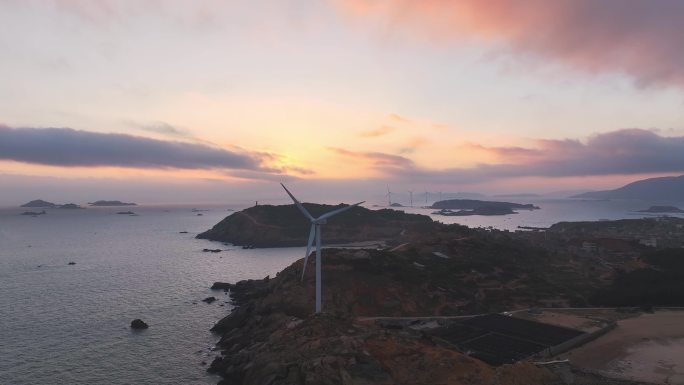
x=284 y=226
x=273 y=337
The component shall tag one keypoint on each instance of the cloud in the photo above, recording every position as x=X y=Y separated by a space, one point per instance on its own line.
x=162 y=128
x=378 y=160
x=641 y=39
x=621 y=152
x=412 y=145
x=399 y=118
x=380 y=131
x=67 y=147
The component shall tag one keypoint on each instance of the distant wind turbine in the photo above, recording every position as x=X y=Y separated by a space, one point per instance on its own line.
x=426 y=195
x=411 y=198
x=389 y=196
x=315 y=233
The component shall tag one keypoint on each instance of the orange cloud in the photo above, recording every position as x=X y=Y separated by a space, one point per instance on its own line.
x=641 y=39
x=380 y=131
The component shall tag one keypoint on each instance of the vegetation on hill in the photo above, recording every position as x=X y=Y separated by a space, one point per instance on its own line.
x=659 y=284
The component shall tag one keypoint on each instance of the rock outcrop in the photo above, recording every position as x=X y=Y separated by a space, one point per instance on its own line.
x=139 y=324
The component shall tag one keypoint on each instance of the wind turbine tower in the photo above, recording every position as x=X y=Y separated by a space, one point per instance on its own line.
x=411 y=198
x=389 y=196
x=315 y=234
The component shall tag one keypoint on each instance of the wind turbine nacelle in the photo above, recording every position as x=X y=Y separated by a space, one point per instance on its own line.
x=321 y=221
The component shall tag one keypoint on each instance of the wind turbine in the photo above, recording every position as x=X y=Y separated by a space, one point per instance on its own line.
x=411 y=198
x=389 y=196
x=426 y=196
x=315 y=233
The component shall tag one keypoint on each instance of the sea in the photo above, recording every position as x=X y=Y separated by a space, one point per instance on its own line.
x=64 y=323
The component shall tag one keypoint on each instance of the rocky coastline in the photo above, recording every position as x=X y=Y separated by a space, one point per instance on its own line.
x=273 y=338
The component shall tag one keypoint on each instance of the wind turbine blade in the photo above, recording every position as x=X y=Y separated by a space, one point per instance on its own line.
x=308 y=247
x=340 y=210
x=299 y=205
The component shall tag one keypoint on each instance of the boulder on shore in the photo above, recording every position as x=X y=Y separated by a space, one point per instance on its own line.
x=139 y=324
x=209 y=299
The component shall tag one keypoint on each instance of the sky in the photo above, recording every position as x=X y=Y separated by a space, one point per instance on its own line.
x=212 y=101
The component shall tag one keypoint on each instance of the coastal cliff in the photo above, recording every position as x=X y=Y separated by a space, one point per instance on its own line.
x=284 y=226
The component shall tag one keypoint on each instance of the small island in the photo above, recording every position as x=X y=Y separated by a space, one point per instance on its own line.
x=69 y=206
x=111 y=203
x=662 y=209
x=484 y=210
x=126 y=213
x=466 y=207
x=39 y=203
x=33 y=213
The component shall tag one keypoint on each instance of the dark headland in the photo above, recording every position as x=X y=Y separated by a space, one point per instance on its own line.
x=436 y=270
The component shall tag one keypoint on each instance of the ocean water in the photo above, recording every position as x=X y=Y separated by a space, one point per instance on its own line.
x=62 y=324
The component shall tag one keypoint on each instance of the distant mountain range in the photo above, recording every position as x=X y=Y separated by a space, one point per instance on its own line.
x=670 y=188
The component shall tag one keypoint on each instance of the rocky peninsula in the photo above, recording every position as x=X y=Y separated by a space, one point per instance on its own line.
x=443 y=272
x=284 y=226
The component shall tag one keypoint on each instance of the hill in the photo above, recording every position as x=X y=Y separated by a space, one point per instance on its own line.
x=670 y=188
x=284 y=226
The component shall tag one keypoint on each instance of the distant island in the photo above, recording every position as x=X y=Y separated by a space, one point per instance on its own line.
x=39 y=203
x=33 y=213
x=662 y=209
x=69 y=206
x=111 y=203
x=467 y=207
x=483 y=210
x=284 y=226
x=670 y=188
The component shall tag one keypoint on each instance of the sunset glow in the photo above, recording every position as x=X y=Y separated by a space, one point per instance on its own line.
x=503 y=96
